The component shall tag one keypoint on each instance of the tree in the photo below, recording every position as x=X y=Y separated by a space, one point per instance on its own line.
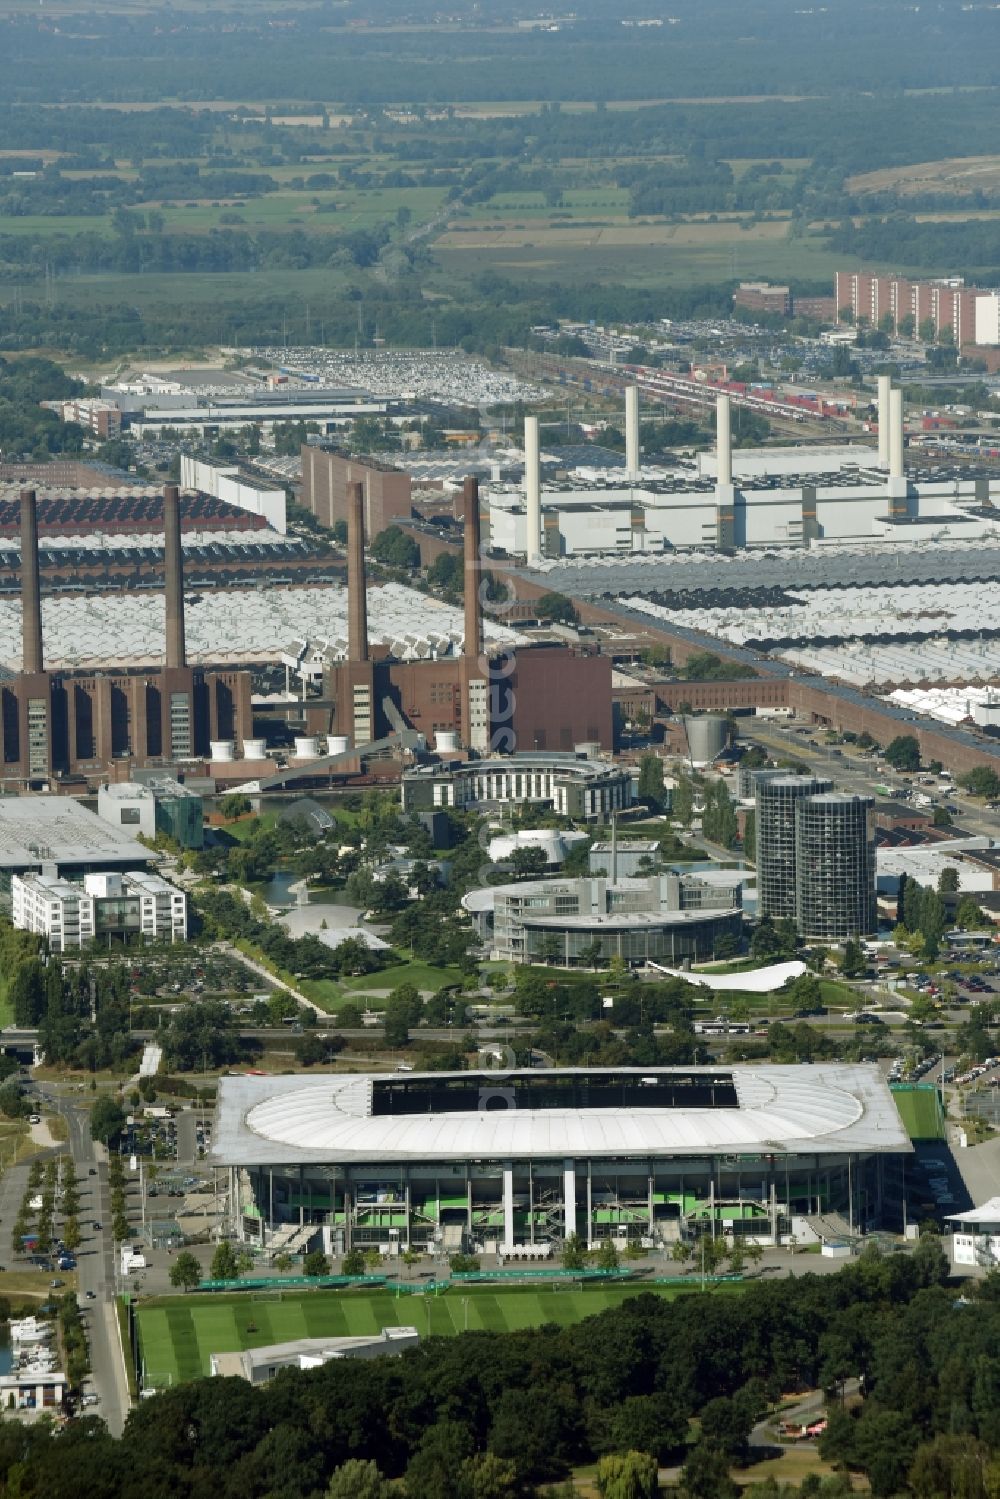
x=71 y=1233
x=607 y=1255
x=651 y=781
x=557 y=609
x=627 y=1475
x=185 y=1272
x=316 y=1263
x=358 y=1479
x=394 y=548
x=107 y=1119
x=948 y=880
x=353 y=1263
x=750 y=836
x=853 y=962
x=982 y=780
x=903 y=752
x=225 y=1262
x=574 y=1253
x=705 y=1475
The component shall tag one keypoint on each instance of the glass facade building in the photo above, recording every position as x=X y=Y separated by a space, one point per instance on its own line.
x=777 y=798
x=835 y=867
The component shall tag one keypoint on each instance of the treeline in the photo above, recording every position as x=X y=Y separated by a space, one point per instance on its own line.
x=131 y=253
x=26 y=427
x=321 y=55
x=493 y=312
x=504 y=1413
x=966 y=246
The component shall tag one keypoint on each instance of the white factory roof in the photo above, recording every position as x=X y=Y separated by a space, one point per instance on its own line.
x=925 y=865
x=57 y=830
x=918 y=609
x=235 y=625
x=781 y=1109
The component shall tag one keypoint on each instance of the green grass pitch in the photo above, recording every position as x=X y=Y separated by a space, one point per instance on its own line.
x=920 y=1110
x=177 y=1334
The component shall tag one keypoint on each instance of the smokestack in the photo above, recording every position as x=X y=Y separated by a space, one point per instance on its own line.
x=532 y=490
x=884 y=418
x=632 y=459
x=173 y=574
x=896 y=434
x=723 y=442
x=357 y=596
x=473 y=606
x=31 y=590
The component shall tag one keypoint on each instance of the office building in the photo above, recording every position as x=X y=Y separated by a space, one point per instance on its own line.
x=777 y=797
x=667 y=918
x=157 y=804
x=572 y=785
x=815 y=857
x=834 y=867
x=517 y=1162
x=133 y=906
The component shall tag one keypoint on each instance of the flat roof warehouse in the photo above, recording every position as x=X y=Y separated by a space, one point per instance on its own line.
x=783 y=1110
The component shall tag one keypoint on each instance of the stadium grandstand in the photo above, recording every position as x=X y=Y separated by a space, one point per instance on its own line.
x=514 y=1162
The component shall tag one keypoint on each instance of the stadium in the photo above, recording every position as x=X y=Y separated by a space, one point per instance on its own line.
x=514 y=1162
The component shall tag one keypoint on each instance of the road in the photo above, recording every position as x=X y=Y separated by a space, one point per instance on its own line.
x=857 y=773
x=95 y=1261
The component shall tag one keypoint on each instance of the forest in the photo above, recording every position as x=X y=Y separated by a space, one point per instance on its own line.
x=910 y=1369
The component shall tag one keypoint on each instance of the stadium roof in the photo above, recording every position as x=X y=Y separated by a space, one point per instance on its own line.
x=57 y=830
x=355 y=1118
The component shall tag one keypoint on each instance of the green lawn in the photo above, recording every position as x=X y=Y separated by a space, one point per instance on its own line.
x=920 y=1110
x=177 y=1334
x=330 y=995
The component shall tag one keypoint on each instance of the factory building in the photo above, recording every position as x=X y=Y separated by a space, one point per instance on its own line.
x=516 y=1164
x=327 y=473
x=733 y=500
x=667 y=918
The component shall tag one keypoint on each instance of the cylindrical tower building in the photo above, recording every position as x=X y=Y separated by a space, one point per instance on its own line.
x=835 y=867
x=777 y=798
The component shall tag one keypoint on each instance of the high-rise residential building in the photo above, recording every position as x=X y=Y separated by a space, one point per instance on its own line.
x=835 y=866
x=777 y=798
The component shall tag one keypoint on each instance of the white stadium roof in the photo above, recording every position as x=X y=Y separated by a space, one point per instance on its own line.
x=832 y=1109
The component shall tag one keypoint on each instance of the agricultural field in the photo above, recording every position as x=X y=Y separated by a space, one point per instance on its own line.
x=962 y=174
x=178 y=1334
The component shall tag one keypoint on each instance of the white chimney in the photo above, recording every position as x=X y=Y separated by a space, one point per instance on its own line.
x=884 y=418
x=723 y=442
x=633 y=463
x=896 y=434
x=532 y=490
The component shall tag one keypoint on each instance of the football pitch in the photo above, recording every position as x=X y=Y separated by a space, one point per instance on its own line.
x=920 y=1110
x=178 y=1333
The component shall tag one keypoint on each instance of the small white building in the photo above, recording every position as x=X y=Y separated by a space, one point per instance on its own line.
x=70 y=914
x=975 y=1236
x=259 y=1365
